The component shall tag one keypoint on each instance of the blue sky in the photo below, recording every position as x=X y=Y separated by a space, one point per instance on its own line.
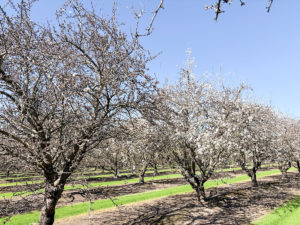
x=246 y=44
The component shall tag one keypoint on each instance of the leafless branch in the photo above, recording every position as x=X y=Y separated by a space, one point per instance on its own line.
x=269 y=5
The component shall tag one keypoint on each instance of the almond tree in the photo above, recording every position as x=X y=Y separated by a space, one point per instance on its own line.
x=254 y=137
x=143 y=144
x=198 y=119
x=110 y=155
x=63 y=89
x=291 y=138
x=282 y=153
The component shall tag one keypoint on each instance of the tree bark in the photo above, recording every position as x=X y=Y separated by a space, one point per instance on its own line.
x=155 y=170
x=284 y=168
x=142 y=178
x=253 y=179
x=251 y=172
x=52 y=195
x=201 y=195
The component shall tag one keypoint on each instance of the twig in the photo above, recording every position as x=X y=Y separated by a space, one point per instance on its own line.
x=269 y=6
x=149 y=28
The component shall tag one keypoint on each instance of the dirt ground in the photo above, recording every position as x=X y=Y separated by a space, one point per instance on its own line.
x=29 y=203
x=230 y=204
x=34 y=202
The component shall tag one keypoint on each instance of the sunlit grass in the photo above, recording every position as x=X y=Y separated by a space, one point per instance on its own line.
x=287 y=214
x=94 y=185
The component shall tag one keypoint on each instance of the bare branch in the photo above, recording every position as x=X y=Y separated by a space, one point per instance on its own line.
x=269 y=5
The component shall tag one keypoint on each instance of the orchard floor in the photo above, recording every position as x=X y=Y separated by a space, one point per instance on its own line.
x=29 y=203
x=238 y=203
x=35 y=202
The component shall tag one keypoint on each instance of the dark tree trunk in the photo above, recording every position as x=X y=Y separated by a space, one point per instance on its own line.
x=201 y=195
x=7 y=173
x=252 y=175
x=298 y=166
x=254 y=180
x=250 y=172
x=142 y=176
x=52 y=195
x=155 y=170
x=116 y=173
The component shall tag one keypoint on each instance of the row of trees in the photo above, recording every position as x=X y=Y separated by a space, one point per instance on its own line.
x=81 y=88
x=202 y=126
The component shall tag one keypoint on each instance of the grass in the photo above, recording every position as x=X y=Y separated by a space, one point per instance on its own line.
x=82 y=208
x=94 y=185
x=20 y=183
x=109 y=183
x=289 y=213
x=75 y=178
x=17 y=178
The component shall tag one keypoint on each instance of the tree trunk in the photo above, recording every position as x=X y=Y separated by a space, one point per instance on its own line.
x=155 y=170
x=52 y=195
x=284 y=168
x=253 y=179
x=116 y=173
x=142 y=178
x=298 y=166
x=7 y=173
x=284 y=174
x=201 y=193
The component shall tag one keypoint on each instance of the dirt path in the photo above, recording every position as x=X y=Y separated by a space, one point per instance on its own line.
x=231 y=204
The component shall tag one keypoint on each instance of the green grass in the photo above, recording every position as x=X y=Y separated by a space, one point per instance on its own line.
x=82 y=208
x=75 y=178
x=287 y=214
x=94 y=185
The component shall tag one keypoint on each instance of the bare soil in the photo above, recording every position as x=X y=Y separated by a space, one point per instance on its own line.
x=34 y=202
x=238 y=203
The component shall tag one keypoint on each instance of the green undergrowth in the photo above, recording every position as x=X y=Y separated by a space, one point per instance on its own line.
x=287 y=214
x=82 y=208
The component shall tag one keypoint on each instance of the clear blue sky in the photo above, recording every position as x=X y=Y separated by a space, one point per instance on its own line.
x=249 y=44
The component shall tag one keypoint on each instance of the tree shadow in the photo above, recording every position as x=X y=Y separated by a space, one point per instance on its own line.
x=236 y=204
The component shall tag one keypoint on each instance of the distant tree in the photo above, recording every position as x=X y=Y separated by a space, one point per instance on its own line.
x=143 y=144
x=254 y=137
x=64 y=88
x=291 y=139
x=110 y=155
x=281 y=152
